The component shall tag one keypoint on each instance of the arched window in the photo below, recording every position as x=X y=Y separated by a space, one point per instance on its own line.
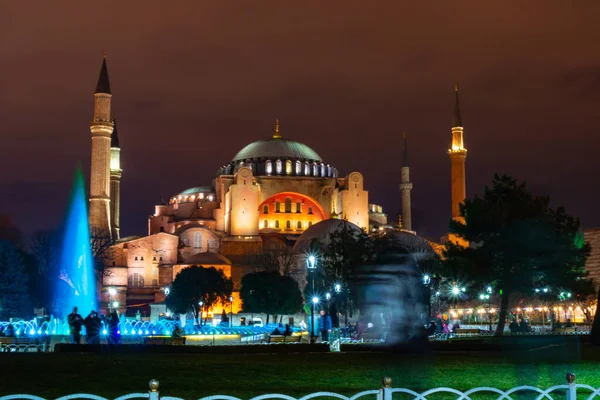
x=329 y=170
x=277 y=224
x=265 y=224
x=288 y=205
x=298 y=207
x=310 y=210
x=269 y=167
x=278 y=166
x=162 y=228
x=299 y=225
x=298 y=168
x=288 y=167
x=197 y=239
x=306 y=168
x=309 y=224
x=322 y=169
x=315 y=169
x=136 y=280
x=277 y=207
x=185 y=240
x=266 y=209
x=288 y=224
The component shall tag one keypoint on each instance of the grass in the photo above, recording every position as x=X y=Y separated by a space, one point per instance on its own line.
x=193 y=376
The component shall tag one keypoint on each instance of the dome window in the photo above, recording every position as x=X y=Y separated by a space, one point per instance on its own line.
x=288 y=167
x=277 y=224
x=299 y=225
x=269 y=167
x=278 y=166
x=315 y=169
x=266 y=209
x=288 y=205
x=265 y=224
x=306 y=169
x=298 y=168
x=288 y=224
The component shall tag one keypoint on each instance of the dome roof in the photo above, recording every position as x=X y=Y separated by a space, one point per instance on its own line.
x=277 y=148
x=321 y=232
x=409 y=242
x=194 y=190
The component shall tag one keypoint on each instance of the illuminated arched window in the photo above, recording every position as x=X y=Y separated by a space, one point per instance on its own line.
x=322 y=169
x=136 y=280
x=309 y=224
x=269 y=167
x=277 y=207
x=298 y=168
x=288 y=167
x=298 y=207
x=299 y=225
x=265 y=224
x=329 y=170
x=266 y=209
x=288 y=205
x=315 y=169
x=277 y=224
x=278 y=166
x=306 y=168
x=288 y=224
x=197 y=239
x=310 y=211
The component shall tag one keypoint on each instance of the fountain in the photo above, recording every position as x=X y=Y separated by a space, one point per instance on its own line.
x=77 y=284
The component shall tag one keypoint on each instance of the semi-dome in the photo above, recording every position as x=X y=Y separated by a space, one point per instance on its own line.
x=321 y=232
x=277 y=148
x=279 y=156
x=194 y=190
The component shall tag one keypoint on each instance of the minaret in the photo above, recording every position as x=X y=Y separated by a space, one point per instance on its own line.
x=102 y=128
x=115 y=182
x=405 y=188
x=458 y=154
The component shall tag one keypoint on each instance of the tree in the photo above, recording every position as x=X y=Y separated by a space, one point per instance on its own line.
x=45 y=249
x=517 y=243
x=100 y=243
x=197 y=285
x=14 y=296
x=282 y=261
x=270 y=293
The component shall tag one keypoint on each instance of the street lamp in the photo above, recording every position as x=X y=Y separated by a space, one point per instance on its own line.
x=200 y=303
x=315 y=301
x=167 y=290
x=112 y=291
x=427 y=283
x=231 y=318
x=311 y=265
x=338 y=288
x=115 y=304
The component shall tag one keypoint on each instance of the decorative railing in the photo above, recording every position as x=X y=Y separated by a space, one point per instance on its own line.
x=568 y=391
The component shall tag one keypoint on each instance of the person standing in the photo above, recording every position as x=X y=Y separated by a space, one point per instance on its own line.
x=92 y=327
x=75 y=321
x=113 y=327
x=325 y=326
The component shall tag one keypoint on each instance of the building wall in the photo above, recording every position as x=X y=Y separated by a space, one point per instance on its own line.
x=355 y=201
x=592 y=265
x=290 y=212
x=244 y=204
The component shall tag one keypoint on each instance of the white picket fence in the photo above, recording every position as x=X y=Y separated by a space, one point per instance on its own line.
x=566 y=391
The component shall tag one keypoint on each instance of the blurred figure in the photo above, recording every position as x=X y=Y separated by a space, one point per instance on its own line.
x=514 y=327
x=113 y=327
x=75 y=322
x=278 y=330
x=569 y=323
x=93 y=326
x=288 y=330
x=325 y=326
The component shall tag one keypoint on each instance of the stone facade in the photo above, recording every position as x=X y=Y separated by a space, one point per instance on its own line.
x=592 y=265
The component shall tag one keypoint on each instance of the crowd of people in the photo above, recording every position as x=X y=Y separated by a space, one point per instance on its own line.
x=93 y=324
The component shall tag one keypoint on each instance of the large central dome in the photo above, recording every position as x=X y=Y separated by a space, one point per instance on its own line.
x=279 y=156
x=277 y=148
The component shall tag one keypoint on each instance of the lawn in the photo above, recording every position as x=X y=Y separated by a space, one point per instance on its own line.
x=193 y=376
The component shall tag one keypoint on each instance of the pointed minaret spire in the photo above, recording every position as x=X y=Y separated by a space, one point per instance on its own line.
x=276 y=135
x=114 y=138
x=405 y=220
x=103 y=85
x=405 y=152
x=457 y=120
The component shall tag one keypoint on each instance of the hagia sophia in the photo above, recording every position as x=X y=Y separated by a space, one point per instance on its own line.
x=274 y=193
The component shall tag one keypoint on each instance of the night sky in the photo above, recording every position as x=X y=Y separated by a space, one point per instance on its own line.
x=194 y=81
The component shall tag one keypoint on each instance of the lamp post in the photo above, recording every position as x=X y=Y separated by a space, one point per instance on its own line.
x=231 y=314
x=486 y=297
x=311 y=266
x=427 y=283
x=315 y=301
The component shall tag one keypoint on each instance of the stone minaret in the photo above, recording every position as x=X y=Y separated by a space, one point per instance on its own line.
x=115 y=182
x=102 y=128
x=458 y=154
x=405 y=188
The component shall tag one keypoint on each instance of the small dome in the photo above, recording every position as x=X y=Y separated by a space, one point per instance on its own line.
x=409 y=242
x=277 y=148
x=321 y=232
x=194 y=190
